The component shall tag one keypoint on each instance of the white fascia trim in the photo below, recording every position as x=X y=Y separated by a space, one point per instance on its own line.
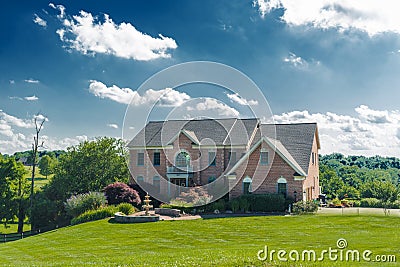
x=294 y=167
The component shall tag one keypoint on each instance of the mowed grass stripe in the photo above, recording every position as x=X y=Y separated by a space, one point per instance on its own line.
x=211 y=242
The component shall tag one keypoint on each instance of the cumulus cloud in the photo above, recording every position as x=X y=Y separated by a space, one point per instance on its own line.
x=370 y=132
x=370 y=16
x=242 y=101
x=112 y=125
x=39 y=21
x=31 y=81
x=165 y=97
x=6 y=119
x=12 y=82
x=88 y=35
x=211 y=104
x=373 y=116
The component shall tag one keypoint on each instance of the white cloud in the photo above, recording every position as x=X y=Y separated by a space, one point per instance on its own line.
x=242 y=101
x=27 y=98
x=86 y=34
x=12 y=82
x=373 y=116
x=296 y=61
x=31 y=81
x=31 y=98
x=370 y=16
x=165 y=97
x=39 y=21
x=210 y=104
x=60 y=8
x=7 y=119
x=112 y=125
x=370 y=132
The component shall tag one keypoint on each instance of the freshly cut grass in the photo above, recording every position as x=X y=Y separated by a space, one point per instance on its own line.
x=204 y=242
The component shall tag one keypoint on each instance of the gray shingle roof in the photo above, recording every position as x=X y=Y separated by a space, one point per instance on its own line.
x=221 y=131
x=297 y=138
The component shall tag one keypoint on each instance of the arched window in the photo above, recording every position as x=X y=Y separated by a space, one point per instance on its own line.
x=282 y=186
x=247 y=185
x=182 y=159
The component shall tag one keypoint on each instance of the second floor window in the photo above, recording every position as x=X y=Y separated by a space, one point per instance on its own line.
x=263 y=157
x=211 y=158
x=156 y=159
x=140 y=159
x=182 y=159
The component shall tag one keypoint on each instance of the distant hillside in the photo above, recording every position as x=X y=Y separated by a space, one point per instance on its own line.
x=356 y=176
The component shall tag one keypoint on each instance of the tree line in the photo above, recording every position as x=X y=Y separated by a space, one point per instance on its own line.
x=359 y=177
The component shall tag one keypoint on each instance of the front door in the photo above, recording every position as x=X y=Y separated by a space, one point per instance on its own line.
x=179 y=182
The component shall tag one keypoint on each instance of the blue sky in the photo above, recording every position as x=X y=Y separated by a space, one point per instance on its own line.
x=79 y=64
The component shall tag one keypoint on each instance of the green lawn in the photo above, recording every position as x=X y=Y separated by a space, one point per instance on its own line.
x=211 y=242
x=40 y=180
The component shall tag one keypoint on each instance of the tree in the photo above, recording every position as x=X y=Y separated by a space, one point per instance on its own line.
x=47 y=165
x=13 y=192
x=39 y=121
x=87 y=167
x=91 y=166
x=121 y=193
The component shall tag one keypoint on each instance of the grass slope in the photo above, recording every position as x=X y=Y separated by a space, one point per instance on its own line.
x=212 y=242
x=40 y=180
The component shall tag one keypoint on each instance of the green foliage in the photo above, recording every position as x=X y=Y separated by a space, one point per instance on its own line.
x=384 y=191
x=358 y=176
x=47 y=165
x=90 y=166
x=14 y=190
x=87 y=167
x=234 y=205
x=93 y=215
x=126 y=208
x=219 y=205
x=259 y=203
x=371 y=203
x=307 y=207
x=78 y=204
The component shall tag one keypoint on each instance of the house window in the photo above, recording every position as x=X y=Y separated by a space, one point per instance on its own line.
x=264 y=157
x=156 y=159
x=247 y=185
x=182 y=159
x=140 y=159
x=211 y=179
x=282 y=186
x=313 y=158
x=140 y=179
x=232 y=158
x=211 y=158
x=156 y=183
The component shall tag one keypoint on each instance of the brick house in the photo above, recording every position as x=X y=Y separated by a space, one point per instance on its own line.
x=244 y=154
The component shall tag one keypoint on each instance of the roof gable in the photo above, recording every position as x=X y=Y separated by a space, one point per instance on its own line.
x=277 y=146
x=296 y=138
